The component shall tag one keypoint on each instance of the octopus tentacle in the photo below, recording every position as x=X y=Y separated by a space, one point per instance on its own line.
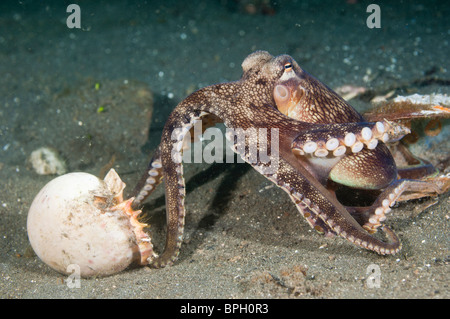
x=177 y=127
x=336 y=218
x=151 y=178
x=382 y=206
x=322 y=211
x=309 y=214
x=302 y=204
x=153 y=175
x=171 y=156
x=339 y=139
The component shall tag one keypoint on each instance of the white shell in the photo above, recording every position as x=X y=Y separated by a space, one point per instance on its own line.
x=46 y=161
x=66 y=226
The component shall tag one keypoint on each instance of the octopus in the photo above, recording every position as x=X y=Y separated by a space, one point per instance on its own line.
x=318 y=144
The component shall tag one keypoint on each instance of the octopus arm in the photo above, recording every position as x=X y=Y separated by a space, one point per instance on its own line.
x=312 y=198
x=167 y=164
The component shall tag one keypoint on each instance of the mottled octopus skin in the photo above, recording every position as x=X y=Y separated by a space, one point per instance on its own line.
x=249 y=103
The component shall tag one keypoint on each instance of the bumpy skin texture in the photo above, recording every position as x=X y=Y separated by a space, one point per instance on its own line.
x=328 y=140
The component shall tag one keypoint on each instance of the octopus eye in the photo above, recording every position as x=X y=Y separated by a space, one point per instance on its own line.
x=288 y=67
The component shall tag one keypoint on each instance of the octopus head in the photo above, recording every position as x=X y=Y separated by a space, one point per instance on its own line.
x=284 y=74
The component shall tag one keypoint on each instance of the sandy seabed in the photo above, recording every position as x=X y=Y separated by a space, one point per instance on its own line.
x=244 y=237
